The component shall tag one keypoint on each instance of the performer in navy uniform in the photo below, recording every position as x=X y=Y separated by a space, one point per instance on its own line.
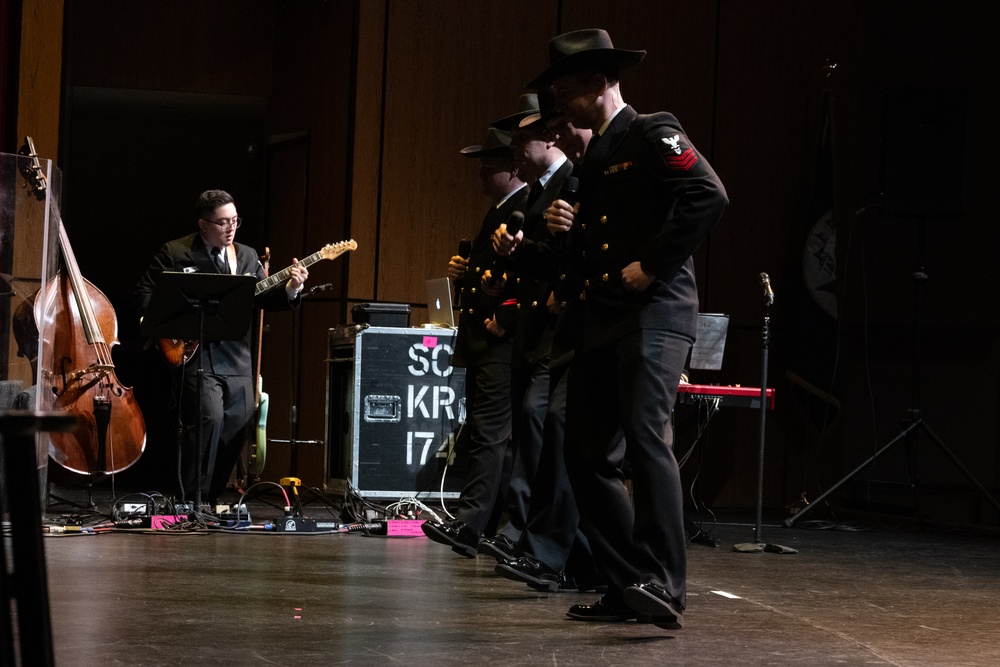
x=485 y=355
x=228 y=391
x=553 y=552
x=647 y=200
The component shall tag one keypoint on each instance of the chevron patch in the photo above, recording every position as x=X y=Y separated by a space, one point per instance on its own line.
x=682 y=162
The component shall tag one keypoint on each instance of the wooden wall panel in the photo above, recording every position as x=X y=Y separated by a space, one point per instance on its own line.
x=450 y=73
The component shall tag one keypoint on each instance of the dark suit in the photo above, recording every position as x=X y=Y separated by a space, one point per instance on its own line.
x=228 y=390
x=486 y=359
x=533 y=327
x=646 y=195
x=552 y=534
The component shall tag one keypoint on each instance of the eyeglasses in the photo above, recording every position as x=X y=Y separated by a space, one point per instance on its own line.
x=226 y=222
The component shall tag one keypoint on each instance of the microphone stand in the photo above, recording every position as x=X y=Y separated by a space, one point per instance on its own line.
x=758 y=545
x=293 y=412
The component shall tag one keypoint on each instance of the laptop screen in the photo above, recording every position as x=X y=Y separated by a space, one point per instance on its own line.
x=439 y=309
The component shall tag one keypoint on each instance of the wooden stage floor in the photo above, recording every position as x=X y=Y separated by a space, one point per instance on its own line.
x=879 y=596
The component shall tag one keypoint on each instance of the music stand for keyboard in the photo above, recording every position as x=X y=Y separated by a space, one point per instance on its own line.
x=206 y=307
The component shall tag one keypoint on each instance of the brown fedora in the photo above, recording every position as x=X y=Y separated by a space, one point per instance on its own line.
x=496 y=144
x=527 y=104
x=582 y=49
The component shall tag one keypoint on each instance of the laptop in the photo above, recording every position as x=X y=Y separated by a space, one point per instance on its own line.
x=439 y=308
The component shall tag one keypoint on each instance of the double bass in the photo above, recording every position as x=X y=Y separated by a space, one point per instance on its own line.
x=79 y=326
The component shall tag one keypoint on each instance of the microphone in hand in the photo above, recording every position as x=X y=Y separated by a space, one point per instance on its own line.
x=495 y=282
x=765 y=282
x=464 y=251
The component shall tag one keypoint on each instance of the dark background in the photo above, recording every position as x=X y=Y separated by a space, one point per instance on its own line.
x=339 y=119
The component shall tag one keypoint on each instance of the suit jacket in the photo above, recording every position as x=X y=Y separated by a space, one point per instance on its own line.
x=474 y=344
x=646 y=195
x=190 y=255
x=535 y=269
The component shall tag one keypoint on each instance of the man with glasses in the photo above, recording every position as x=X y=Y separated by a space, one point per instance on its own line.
x=228 y=394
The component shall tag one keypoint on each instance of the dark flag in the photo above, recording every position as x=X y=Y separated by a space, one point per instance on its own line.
x=812 y=317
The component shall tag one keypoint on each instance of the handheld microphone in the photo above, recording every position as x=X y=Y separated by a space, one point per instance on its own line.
x=464 y=251
x=569 y=190
x=765 y=282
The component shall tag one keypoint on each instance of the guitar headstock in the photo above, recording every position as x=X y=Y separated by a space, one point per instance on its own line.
x=333 y=250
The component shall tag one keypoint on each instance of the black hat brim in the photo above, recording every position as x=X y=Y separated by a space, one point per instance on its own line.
x=583 y=60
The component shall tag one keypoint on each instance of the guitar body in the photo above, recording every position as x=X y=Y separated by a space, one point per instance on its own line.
x=176 y=352
x=258 y=446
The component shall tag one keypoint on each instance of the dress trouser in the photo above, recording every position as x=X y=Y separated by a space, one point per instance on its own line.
x=487 y=400
x=227 y=405
x=628 y=388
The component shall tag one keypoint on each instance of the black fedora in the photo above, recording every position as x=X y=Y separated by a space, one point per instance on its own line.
x=496 y=144
x=546 y=110
x=583 y=49
x=527 y=104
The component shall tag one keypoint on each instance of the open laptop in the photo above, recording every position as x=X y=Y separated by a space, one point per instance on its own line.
x=439 y=308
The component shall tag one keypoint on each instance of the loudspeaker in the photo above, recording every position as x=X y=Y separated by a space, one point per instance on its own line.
x=923 y=152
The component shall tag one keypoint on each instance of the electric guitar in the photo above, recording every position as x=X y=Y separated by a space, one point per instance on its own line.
x=178 y=352
x=258 y=439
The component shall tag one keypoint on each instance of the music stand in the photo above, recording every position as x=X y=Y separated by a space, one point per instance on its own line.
x=206 y=307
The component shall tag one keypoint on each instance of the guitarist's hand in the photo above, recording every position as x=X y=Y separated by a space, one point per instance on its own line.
x=298 y=276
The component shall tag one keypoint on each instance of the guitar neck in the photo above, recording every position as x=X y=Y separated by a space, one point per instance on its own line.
x=283 y=275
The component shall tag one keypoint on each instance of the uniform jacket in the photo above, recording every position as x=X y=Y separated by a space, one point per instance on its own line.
x=646 y=194
x=474 y=344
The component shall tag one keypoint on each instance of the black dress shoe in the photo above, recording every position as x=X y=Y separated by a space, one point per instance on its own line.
x=526 y=569
x=601 y=612
x=500 y=547
x=652 y=599
x=582 y=584
x=456 y=534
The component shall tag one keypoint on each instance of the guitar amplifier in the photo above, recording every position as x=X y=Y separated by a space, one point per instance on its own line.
x=395 y=405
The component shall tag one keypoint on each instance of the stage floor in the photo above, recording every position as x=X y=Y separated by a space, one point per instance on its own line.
x=880 y=596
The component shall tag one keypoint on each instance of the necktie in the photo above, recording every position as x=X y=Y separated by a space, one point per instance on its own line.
x=534 y=194
x=221 y=260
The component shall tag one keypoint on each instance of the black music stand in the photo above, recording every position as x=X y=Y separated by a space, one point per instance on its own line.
x=206 y=307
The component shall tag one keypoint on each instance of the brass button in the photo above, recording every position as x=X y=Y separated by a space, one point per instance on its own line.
x=477 y=269
x=586 y=283
x=518 y=281
x=583 y=226
x=604 y=247
x=519 y=306
x=534 y=304
x=604 y=219
x=473 y=290
x=562 y=304
x=604 y=277
x=562 y=276
x=469 y=311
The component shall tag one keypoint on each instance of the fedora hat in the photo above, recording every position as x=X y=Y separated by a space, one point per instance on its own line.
x=583 y=49
x=546 y=110
x=527 y=104
x=496 y=144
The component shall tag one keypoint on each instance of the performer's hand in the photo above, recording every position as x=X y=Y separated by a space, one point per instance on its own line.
x=635 y=279
x=503 y=243
x=560 y=215
x=457 y=267
x=297 y=275
x=553 y=305
x=493 y=285
x=493 y=327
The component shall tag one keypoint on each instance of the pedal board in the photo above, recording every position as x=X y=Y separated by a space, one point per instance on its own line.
x=301 y=524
